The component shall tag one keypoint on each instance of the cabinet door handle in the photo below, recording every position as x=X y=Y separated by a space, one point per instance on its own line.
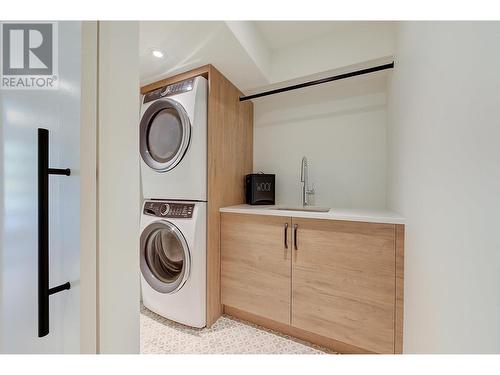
x=286 y=235
x=295 y=226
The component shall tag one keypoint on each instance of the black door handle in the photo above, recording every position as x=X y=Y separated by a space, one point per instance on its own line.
x=295 y=227
x=43 y=232
x=286 y=235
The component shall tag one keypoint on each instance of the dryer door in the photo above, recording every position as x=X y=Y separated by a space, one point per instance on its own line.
x=165 y=132
x=165 y=258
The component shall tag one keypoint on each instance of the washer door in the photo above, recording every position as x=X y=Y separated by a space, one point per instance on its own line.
x=165 y=132
x=165 y=258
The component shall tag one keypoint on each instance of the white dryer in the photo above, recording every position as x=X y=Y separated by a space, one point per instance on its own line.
x=173 y=141
x=173 y=260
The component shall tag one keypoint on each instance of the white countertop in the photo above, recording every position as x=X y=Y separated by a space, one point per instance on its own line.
x=346 y=214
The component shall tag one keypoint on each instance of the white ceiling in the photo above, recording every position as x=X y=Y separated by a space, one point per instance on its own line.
x=190 y=44
x=281 y=34
x=255 y=54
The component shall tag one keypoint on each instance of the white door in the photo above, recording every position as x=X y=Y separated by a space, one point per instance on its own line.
x=23 y=112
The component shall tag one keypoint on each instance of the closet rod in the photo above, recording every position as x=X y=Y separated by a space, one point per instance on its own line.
x=319 y=81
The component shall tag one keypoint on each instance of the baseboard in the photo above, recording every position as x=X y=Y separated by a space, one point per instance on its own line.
x=337 y=346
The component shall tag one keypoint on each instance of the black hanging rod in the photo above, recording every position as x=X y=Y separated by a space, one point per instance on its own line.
x=319 y=81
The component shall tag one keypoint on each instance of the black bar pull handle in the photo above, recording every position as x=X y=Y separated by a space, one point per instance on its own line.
x=286 y=235
x=295 y=245
x=43 y=232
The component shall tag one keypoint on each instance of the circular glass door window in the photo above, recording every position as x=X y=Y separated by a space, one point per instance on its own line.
x=165 y=132
x=165 y=259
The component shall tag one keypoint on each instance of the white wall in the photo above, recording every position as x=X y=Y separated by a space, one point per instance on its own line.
x=118 y=187
x=445 y=178
x=340 y=127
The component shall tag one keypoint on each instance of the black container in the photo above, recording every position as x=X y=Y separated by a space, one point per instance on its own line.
x=259 y=188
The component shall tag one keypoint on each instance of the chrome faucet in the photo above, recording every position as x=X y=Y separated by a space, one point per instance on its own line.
x=304 y=178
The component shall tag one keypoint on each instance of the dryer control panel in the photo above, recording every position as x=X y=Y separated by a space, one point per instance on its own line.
x=169 y=209
x=175 y=88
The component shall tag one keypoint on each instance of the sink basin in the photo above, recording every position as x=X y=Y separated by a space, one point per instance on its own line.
x=306 y=208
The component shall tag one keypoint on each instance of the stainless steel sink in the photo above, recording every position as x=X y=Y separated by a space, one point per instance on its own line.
x=305 y=208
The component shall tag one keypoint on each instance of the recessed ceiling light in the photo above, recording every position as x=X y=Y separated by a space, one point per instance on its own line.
x=158 y=53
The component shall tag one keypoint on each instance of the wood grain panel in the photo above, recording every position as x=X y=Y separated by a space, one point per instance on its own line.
x=398 y=329
x=343 y=282
x=230 y=158
x=256 y=265
x=329 y=343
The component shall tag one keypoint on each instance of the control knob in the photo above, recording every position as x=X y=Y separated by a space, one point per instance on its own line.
x=164 y=208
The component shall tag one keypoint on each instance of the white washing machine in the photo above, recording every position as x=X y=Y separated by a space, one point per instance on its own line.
x=173 y=260
x=173 y=141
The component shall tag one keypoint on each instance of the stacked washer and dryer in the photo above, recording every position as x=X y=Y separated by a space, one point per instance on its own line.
x=173 y=147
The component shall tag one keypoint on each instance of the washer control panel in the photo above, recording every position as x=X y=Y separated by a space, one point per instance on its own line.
x=175 y=88
x=169 y=209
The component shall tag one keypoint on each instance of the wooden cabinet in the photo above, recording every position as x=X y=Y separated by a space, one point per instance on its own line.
x=343 y=282
x=338 y=284
x=255 y=264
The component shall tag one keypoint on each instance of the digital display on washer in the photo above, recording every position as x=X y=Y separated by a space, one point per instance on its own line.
x=169 y=209
x=175 y=88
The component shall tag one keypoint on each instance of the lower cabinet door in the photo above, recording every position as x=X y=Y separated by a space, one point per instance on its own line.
x=343 y=281
x=256 y=264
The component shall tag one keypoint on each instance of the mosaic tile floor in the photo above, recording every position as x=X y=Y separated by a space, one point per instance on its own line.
x=227 y=336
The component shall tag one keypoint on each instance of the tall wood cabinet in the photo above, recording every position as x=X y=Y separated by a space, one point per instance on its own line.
x=327 y=281
x=229 y=159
